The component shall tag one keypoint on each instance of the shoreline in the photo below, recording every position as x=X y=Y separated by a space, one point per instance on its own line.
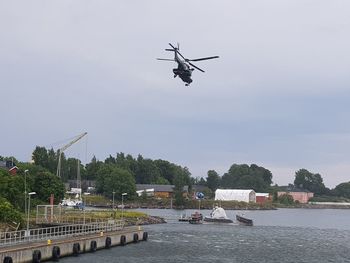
x=254 y=208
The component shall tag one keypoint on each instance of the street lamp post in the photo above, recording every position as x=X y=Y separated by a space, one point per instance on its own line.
x=25 y=190
x=84 y=206
x=29 y=194
x=123 y=194
x=113 y=200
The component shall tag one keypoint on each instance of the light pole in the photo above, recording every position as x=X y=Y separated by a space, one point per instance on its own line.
x=123 y=194
x=29 y=194
x=84 y=206
x=25 y=190
x=113 y=200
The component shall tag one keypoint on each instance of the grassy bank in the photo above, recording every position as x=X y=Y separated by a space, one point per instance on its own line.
x=130 y=217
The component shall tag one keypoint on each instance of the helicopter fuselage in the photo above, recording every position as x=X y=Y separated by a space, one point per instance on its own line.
x=183 y=70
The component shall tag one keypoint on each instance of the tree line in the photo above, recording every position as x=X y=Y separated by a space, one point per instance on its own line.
x=116 y=173
x=243 y=176
x=121 y=172
x=147 y=171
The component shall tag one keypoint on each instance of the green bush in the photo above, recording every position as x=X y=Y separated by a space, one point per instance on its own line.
x=8 y=214
x=286 y=199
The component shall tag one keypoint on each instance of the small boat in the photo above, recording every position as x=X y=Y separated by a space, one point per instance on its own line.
x=244 y=221
x=218 y=215
x=72 y=203
x=184 y=218
x=196 y=218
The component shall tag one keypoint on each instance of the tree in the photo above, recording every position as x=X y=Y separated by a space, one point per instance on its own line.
x=179 y=183
x=166 y=169
x=40 y=156
x=261 y=172
x=113 y=179
x=182 y=178
x=243 y=176
x=286 y=199
x=126 y=162
x=131 y=164
x=198 y=181
x=92 y=169
x=38 y=179
x=10 y=158
x=52 y=161
x=8 y=214
x=309 y=181
x=110 y=160
x=213 y=180
x=45 y=184
x=147 y=172
x=71 y=166
x=12 y=188
x=343 y=190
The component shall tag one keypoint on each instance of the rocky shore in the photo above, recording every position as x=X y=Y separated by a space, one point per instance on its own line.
x=148 y=220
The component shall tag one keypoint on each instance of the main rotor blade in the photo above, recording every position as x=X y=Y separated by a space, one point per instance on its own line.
x=196 y=67
x=176 y=49
x=169 y=49
x=166 y=59
x=172 y=46
x=199 y=59
x=181 y=55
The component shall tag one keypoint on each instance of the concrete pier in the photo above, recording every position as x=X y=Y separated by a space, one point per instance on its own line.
x=55 y=249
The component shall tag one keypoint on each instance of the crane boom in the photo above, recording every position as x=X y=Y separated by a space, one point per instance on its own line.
x=65 y=147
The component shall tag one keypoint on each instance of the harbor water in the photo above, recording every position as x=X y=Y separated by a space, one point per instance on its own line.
x=284 y=235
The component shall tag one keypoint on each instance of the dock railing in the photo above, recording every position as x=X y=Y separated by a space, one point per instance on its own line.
x=58 y=232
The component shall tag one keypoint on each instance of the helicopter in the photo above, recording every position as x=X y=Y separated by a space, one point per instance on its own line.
x=185 y=67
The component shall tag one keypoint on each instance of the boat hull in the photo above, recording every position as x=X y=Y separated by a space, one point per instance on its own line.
x=218 y=220
x=195 y=221
x=244 y=221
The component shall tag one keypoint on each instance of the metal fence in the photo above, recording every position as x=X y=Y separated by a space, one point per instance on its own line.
x=70 y=220
x=58 y=232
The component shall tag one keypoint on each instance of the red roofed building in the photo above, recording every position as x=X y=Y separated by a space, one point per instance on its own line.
x=9 y=166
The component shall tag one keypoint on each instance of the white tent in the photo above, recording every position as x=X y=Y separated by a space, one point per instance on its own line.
x=235 y=195
x=266 y=195
x=148 y=192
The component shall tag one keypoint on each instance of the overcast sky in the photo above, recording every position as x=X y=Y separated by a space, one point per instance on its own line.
x=278 y=96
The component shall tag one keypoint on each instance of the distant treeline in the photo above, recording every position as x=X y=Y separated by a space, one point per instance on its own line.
x=148 y=171
x=121 y=172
